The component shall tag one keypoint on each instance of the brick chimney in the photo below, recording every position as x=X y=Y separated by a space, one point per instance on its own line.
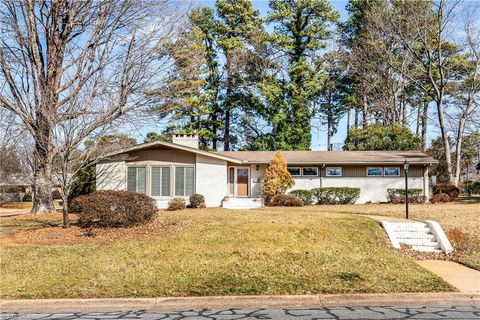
x=186 y=139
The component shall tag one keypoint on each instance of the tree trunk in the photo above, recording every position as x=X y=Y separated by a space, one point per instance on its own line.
x=365 y=112
x=418 y=121
x=226 y=143
x=424 y=125
x=329 y=134
x=66 y=219
x=348 y=119
x=42 y=176
x=446 y=142
x=404 y=109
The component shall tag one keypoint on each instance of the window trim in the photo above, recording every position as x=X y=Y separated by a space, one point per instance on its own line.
x=136 y=166
x=396 y=175
x=309 y=175
x=175 y=182
x=299 y=168
x=151 y=184
x=370 y=175
x=332 y=175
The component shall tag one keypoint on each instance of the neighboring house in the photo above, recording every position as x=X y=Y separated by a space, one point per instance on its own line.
x=165 y=170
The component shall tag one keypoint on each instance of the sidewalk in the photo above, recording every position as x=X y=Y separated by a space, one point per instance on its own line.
x=464 y=279
x=249 y=302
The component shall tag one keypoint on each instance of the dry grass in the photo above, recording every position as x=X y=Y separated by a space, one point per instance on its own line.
x=218 y=252
x=454 y=218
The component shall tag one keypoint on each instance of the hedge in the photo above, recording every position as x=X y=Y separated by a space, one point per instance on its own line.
x=447 y=188
x=398 y=195
x=286 y=200
x=336 y=195
x=305 y=195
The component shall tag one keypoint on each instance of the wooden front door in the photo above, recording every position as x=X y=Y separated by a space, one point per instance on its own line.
x=242 y=182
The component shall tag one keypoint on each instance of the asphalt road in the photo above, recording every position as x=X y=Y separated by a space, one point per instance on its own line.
x=452 y=312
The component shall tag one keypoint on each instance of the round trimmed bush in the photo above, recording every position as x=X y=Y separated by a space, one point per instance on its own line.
x=305 y=195
x=114 y=209
x=176 y=204
x=440 y=198
x=450 y=189
x=197 y=200
x=286 y=200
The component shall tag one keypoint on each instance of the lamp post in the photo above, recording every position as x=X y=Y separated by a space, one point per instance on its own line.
x=405 y=166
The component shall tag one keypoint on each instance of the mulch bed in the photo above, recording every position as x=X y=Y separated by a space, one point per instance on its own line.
x=51 y=235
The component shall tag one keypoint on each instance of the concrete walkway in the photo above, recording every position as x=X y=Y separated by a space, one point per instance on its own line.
x=4 y=212
x=389 y=219
x=464 y=279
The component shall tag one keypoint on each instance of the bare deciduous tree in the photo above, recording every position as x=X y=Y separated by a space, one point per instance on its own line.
x=80 y=63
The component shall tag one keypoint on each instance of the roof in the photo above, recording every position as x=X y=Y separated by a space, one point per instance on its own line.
x=168 y=145
x=334 y=157
x=295 y=157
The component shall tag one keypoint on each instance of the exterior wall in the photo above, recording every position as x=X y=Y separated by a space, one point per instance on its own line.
x=111 y=175
x=256 y=179
x=372 y=189
x=211 y=179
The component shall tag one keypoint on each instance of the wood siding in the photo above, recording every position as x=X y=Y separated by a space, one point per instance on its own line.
x=162 y=156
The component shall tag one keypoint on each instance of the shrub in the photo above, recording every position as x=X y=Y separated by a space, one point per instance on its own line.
x=114 y=209
x=471 y=187
x=398 y=195
x=277 y=178
x=336 y=195
x=447 y=188
x=196 y=200
x=305 y=195
x=176 y=204
x=286 y=200
x=440 y=198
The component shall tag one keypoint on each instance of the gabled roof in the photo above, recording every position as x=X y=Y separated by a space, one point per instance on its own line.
x=334 y=157
x=168 y=145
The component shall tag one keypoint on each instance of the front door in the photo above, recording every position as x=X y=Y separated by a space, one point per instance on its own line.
x=242 y=182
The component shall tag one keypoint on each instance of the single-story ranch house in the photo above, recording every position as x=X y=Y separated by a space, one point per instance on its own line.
x=165 y=170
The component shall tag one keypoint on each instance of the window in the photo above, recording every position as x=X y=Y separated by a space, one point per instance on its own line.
x=310 y=171
x=231 y=180
x=333 y=172
x=295 y=172
x=160 y=181
x=184 y=181
x=391 y=171
x=374 y=172
x=136 y=179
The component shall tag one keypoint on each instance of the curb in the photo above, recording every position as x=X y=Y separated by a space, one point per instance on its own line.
x=248 y=302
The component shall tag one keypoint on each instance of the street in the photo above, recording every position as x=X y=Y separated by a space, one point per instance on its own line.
x=427 y=312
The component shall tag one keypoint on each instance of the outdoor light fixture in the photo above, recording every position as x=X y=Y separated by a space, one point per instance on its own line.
x=405 y=166
x=257 y=167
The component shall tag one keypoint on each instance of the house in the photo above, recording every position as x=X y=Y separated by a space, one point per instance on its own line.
x=165 y=170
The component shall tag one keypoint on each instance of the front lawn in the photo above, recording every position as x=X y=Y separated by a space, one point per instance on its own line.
x=214 y=252
x=461 y=222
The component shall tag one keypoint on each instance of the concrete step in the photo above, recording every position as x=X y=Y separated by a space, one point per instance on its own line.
x=241 y=203
x=419 y=242
x=410 y=227
x=414 y=235
x=426 y=249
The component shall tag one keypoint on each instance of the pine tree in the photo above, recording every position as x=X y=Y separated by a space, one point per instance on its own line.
x=301 y=29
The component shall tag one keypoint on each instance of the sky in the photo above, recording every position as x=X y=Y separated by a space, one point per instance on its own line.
x=319 y=135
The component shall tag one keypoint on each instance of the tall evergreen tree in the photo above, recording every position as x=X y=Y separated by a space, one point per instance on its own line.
x=301 y=29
